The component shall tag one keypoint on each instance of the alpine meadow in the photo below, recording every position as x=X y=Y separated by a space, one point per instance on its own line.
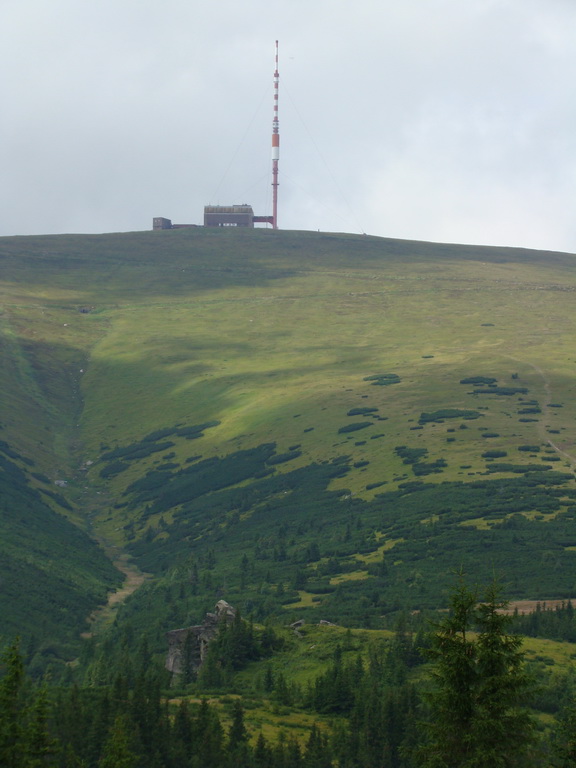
x=338 y=436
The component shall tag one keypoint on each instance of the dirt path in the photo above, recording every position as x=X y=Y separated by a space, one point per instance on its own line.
x=545 y=413
x=105 y=615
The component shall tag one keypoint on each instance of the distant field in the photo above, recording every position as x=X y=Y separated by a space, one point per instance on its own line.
x=529 y=606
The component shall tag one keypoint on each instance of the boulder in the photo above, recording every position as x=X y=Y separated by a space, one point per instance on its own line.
x=191 y=643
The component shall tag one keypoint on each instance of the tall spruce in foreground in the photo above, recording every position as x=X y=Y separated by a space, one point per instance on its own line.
x=564 y=745
x=24 y=738
x=477 y=718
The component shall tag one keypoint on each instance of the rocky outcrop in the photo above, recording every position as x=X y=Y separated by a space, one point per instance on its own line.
x=190 y=645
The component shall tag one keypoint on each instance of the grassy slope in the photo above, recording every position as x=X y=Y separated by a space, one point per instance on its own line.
x=255 y=327
x=272 y=334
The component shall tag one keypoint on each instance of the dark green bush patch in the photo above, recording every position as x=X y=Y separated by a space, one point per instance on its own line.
x=40 y=477
x=555 y=405
x=309 y=429
x=383 y=379
x=355 y=426
x=359 y=464
x=375 y=437
x=8 y=451
x=371 y=486
x=490 y=434
x=282 y=458
x=492 y=455
x=266 y=472
x=508 y=391
x=517 y=468
x=196 y=430
x=527 y=420
x=151 y=480
x=428 y=468
x=531 y=409
x=479 y=380
x=529 y=448
x=114 y=468
x=448 y=413
x=136 y=451
x=410 y=455
x=60 y=500
x=167 y=490
x=361 y=411
x=159 y=434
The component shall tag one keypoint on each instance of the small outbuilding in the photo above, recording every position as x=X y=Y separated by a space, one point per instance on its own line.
x=159 y=222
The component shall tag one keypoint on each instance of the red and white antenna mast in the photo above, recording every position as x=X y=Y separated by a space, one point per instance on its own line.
x=275 y=147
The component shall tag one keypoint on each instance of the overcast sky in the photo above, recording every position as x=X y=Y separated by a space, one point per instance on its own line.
x=446 y=120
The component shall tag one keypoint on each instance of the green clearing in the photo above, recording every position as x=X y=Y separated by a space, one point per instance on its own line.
x=309 y=654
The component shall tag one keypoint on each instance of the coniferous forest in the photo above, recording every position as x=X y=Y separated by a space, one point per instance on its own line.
x=458 y=693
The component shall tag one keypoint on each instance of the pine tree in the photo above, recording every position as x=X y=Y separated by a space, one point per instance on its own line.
x=40 y=746
x=209 y=738
x=118 y=750
x=262 y=754
x=317 y=753
x=237 y=734
x=476 y=715
x=565 y=738
x=11 y=708
x=238 y=751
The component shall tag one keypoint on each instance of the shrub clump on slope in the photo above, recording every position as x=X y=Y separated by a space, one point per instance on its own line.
x=448 y=413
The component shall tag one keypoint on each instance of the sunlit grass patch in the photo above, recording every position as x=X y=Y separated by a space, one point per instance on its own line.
x=350 y=576
x=376 y=555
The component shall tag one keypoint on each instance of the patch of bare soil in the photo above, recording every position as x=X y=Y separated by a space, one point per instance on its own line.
x=530 y=606
x=105 y=614
x=545 y=413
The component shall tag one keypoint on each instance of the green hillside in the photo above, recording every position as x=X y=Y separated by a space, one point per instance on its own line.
x=304 y=423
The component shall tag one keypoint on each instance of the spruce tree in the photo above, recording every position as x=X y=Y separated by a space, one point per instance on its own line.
x=476 y=713
x=119 y=748
x=565 y=738
x=11 y=708
x=41 y=748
